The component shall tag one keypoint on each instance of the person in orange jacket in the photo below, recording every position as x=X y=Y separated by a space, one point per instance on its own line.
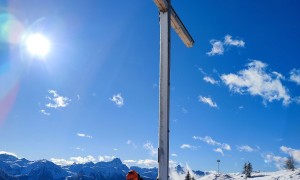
x=133 y=175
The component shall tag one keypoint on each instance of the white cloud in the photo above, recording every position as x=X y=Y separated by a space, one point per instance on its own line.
x=172 y=164
x=149 y=146
x=202 y=71
x=280 y=161
x=207 y=139
x=129 y=161
x=82 y=160
x=78 y=97
x=57 y=101
x=219 y=150
x=187 y=146
x=278 y=75
x=84 y=135
x=257 y=82
x=115 y=149
x=79 y=149
x=277 y=160
x=297 y=99
x=43 y=111
x=210 y=80
x=106 y=158
x=118 y=99
x=208 y=100
x=8 y=153
x=295 y=153
x=174 y=155
x=231 y=42
x=217 y=48
x=210 y=141
x=295 y=76
x=147 y=162
x=225 y=146
x=61 y=162
x=246 y=148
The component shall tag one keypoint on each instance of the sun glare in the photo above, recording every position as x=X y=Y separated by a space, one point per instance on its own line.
x=37 y=45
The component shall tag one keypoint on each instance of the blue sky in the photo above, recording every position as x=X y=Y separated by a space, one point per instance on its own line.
x=234 y=96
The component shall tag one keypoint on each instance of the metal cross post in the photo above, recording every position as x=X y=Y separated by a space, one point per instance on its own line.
x=218 y=161
x=167 y=17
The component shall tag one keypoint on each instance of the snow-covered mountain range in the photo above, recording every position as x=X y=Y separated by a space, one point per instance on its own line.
x=14 y=168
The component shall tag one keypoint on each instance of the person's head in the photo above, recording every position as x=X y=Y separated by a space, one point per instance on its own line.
x=132 y=175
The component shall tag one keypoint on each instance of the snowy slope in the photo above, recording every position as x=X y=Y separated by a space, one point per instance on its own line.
x=278 y=175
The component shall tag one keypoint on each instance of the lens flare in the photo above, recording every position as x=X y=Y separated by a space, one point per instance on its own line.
x=11 y=31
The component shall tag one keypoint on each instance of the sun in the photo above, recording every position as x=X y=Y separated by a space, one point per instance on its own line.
x=37 y=45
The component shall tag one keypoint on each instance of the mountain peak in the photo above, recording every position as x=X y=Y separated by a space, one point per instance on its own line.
x=179 y=169
x=117 y=161
x=8 y=157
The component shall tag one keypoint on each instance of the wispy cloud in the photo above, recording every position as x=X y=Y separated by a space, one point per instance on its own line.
x=149 y=146
x=129 y=161
x=277 y=160
x=208 y=100
x=280 y=161
x=79 y=149
x=218 y=47
x=84 y=135
x=210 y=141
x=295 y=76
x=187 y=146
x=174 y=155
x=295 y=153
x=297 y=99
x=118 y=99
x=210 y=80
x=256 y=81
x=219 y=150
x=202 y=71
x=233 y=42
x=246 y=148
x=57 y=101
x=43 y=111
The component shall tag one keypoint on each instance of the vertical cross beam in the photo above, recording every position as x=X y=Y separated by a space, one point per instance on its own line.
x=168 y=17
x=164 y=93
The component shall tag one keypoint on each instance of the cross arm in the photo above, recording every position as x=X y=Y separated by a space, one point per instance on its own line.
x=176 y=23
x=180 y=29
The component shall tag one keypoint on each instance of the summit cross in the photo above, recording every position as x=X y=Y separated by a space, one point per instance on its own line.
x=168 y=17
